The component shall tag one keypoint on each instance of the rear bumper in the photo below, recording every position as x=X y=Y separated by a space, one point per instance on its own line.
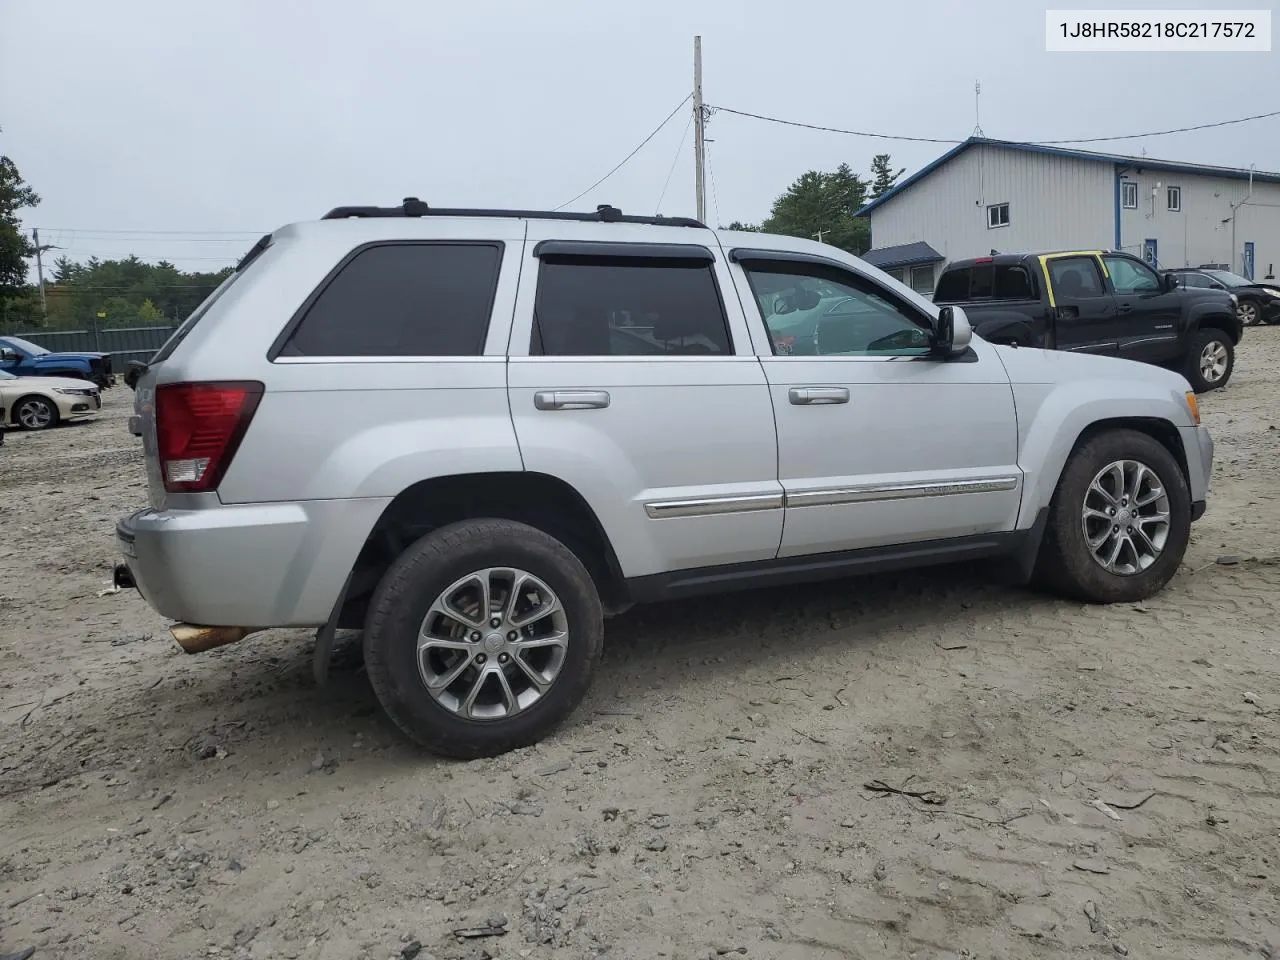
x=261 y=565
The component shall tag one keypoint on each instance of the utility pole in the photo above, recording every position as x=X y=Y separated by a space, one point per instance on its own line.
x=35 y=237
x=699 y=131
x=818 y=236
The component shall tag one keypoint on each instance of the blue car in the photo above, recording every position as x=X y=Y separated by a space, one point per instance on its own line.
x=23 y=358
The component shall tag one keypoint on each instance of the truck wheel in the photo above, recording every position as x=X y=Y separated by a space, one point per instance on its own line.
x=482 y=637
x=1119 y=521
x=1210 y=360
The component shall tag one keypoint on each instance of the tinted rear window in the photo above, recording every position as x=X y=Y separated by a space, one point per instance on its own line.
x=953 y=285
x=588 y=306
x=184 y=328
x=985 y=281
x=403 y=300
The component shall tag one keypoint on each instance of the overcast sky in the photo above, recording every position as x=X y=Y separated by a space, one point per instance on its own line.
x=241 y=115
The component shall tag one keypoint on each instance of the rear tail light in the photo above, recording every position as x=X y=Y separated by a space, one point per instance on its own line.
x=198 y=428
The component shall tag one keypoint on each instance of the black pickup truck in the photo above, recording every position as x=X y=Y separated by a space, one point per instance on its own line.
x=1096 y=301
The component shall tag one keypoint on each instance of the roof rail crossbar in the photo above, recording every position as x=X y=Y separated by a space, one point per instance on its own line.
x=413 y=207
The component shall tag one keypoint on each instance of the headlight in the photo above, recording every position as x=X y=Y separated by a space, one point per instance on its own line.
x=73 y=393
x=1273 y=293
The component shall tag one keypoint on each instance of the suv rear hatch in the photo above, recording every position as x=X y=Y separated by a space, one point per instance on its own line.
x=190 y=431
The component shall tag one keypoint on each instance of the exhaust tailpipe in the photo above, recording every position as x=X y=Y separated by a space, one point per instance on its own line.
x=193 y=638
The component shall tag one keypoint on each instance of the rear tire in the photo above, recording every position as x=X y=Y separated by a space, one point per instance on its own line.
x=1210 y=360
x=501 y=680
x=1089 y=514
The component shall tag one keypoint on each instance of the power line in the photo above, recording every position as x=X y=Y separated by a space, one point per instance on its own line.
x=888 y=136
x=812 y=126
x=1164 y=133
x=674 y=161
x=715 y=199
x=656 y=129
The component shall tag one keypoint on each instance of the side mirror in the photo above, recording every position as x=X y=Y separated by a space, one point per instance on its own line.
x=951 y=332
x=1170 y=281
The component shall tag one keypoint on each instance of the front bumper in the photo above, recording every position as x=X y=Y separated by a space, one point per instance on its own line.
x=261 y=565
x=1270 y=312
x=1197 y=442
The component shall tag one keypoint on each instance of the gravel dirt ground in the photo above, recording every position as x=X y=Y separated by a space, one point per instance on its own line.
x=1076 y=781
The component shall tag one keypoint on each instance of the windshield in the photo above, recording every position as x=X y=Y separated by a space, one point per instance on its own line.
x=25 y=345
x=1229 y=279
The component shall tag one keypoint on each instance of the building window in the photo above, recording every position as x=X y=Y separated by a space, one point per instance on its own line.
x=1175 y=199
x=898 y=274
x=922 y=280
x=998 y=215
x=1129 y=194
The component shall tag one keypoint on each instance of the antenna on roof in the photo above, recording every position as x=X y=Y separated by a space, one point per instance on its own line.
x=977 y=109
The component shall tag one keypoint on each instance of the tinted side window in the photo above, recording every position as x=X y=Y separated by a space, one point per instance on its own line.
x=620 y=307
x=953 y=286
x=1014 y=283
x=1075 y=277
x=403 y=300
x=1129 y=276
x=812 y=310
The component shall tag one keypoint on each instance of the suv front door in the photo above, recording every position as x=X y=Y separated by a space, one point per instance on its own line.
x=1147 y=311
x=1083 y=310
x=624 y=381
x=879 y=443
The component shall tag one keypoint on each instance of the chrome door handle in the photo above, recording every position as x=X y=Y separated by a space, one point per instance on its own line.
x=805 y=395
x=571 y=399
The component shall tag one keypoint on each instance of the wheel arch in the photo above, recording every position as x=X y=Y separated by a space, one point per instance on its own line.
x=1216 y=320
x=12 y=412
x=538 y=499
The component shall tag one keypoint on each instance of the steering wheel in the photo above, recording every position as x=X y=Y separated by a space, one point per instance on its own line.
x=900 y=340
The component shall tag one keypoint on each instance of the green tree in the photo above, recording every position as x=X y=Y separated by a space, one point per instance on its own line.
x=746 y=227
x=149 y=312
x=823 y=205
x=883 y=176
x=15 y=195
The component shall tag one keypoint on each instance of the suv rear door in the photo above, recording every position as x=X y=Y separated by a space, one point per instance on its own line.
x=1084 y=312
x=632 y=378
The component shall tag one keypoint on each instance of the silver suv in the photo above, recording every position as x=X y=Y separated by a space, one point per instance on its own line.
x=475 y=434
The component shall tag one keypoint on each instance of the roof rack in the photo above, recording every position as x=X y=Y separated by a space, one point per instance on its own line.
x=413 y=207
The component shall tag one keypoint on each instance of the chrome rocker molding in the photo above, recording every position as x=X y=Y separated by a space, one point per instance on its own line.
x=746 y=503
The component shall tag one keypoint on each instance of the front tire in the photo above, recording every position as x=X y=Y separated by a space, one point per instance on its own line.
x=482 y=637
x=35 y=413
x=1249 y=312
x=1210 y=361
x=1119 y=522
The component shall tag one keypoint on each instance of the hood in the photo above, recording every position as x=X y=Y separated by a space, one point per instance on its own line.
x=1027 y=365
x=50 y=357
x=48 y=383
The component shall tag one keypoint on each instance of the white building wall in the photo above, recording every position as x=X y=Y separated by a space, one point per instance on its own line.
x=1202 y=231
x=1054 y=203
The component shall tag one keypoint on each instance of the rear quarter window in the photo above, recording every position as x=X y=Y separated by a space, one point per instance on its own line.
x=401 y=300
x=953 y=285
